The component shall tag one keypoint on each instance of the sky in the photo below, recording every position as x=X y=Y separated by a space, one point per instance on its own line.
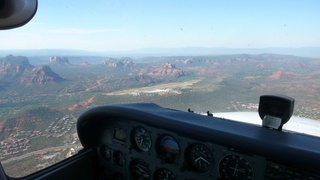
x=113 y=25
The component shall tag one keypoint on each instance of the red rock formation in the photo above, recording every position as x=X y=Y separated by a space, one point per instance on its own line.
x=282 y=75
x=85 y=63
x=114 y=63
x=14 y=66
x=167 y=69
x=40 y=76
x=59 y=60
x=275 y=75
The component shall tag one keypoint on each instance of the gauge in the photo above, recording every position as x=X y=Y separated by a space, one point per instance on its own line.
x=164 y=174
x=235 y=167
x=168 y=148
x=118 y=176
x=141 y=139
x=120 y=134
x=105 y=152
x=200 y=157
x=119 y=158
x=139 y=169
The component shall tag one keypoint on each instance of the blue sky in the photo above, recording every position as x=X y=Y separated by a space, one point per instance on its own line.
x=110 y=25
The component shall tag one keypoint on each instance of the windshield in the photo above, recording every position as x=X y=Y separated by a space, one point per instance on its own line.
x=216 y=56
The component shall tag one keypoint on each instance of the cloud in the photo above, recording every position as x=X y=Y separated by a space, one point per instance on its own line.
x=81 y=31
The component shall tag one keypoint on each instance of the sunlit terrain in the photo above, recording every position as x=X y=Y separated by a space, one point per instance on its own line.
x=40 y=103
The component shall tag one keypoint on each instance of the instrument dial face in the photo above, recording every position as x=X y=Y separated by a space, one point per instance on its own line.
x=139 y=169
x=235 y=167
x=164 y=174
x=168 y=148
x=105 y=152
x=141 y=139
x=200 y=157
x=119 y=158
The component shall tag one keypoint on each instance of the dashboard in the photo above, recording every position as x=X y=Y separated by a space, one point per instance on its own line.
x=146 y=141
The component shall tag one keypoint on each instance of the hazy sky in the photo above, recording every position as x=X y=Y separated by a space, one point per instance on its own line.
x=116 y=25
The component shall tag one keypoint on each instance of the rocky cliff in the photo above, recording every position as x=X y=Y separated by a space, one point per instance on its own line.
x=59 y=60
x=122 y=63
x=14 y=66
x=167 y=69
x=40 y=76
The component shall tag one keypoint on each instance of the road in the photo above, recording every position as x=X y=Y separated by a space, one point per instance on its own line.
x=39 y=152
x=235 y=107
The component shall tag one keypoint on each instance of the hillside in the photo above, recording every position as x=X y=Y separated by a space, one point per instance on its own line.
x=41 y=76
x=14 y=66
x=28 y=119
x=39 y=104
x=17 y=69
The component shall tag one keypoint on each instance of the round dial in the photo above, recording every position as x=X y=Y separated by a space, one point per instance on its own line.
x=168 y=148
x=119 y=158
x=105 y=152
x=200 y=157
x=141 y=139
x=164 y=174
x=235 y=167
x=139 y=169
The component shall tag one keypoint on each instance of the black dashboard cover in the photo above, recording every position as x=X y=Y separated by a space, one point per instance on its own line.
x=298 y=150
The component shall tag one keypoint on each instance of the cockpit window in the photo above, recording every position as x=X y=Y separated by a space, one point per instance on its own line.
x=203 y=56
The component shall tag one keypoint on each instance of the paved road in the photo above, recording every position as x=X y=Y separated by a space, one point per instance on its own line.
x=39 y=152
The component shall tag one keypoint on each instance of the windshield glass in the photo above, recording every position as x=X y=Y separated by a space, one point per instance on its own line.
x=216 y=56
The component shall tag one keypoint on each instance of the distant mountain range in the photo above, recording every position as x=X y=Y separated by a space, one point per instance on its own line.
x=18 y=69
x=15 y=69
x=304 y=51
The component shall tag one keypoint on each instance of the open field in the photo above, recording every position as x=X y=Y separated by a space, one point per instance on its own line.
x=167 y=88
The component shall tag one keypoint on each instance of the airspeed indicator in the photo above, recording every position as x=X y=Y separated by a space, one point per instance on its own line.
x=141 y=139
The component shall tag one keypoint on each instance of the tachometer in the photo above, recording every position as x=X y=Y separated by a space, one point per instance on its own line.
x=235 y=167
x=139 y=169
x=199 y=157
x=141 y=139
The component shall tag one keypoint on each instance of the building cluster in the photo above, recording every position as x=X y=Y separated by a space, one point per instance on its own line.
x=59 y=128
x=240 y=106
x=54 y=156
x=13 y=146
x=19 y=142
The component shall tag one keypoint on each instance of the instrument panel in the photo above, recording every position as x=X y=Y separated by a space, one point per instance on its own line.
x=146 y=152
x=146 y=141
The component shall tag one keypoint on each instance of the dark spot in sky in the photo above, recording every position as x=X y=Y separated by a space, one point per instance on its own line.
x=181 y=29
x=285 y=25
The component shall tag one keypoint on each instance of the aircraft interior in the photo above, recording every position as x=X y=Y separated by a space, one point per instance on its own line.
x=146 y=141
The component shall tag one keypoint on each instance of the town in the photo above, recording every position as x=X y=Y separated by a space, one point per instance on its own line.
x=20 y=142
